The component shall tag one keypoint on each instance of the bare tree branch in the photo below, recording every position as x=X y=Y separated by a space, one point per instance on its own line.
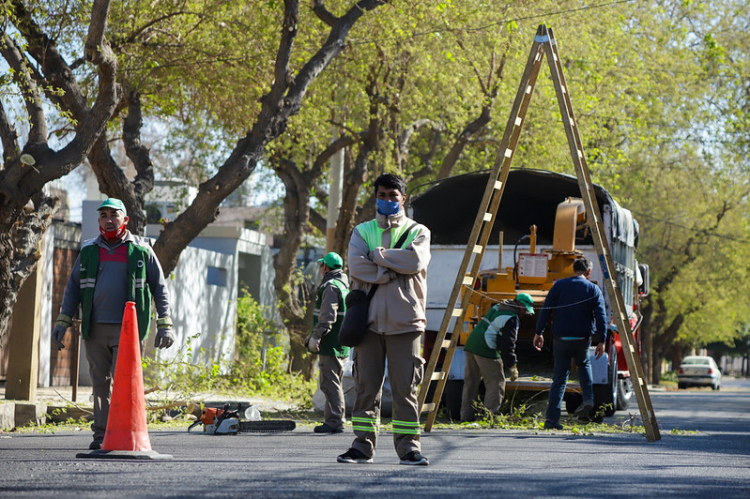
x=331 y=48
x=8 y=137
x=22 y=225
x=327 y=153
x=283 y=101
x=478 y=124
x=323 y=13
x=140 y=156
x=318 y=221
x=57 y=73
x=95 y=44
x=32 y=99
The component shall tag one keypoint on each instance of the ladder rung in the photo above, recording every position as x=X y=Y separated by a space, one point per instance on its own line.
x=544 y=43
x=428 y=407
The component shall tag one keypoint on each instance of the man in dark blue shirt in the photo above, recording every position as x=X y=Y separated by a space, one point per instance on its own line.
x=579 y=313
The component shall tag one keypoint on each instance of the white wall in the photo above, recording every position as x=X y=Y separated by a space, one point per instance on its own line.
x=203 y=308
x=45 y=327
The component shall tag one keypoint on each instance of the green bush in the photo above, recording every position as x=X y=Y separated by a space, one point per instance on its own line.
x=669 y=376
x=272 y=377
x=181 y=378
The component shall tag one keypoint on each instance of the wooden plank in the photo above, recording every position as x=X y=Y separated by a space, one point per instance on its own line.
x=23 y=364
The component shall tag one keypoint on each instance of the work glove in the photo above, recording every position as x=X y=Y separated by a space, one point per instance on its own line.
x=312 y=344
x=164 y=338
x=513 y=372
x=58 y=333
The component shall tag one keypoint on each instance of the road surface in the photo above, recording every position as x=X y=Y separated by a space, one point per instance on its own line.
x=704 y=452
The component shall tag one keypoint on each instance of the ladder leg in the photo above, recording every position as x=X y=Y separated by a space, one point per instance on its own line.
x=602 y=247
x=478 y=239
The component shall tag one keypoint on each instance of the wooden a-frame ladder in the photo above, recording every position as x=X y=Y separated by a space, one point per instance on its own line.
x=544 y=44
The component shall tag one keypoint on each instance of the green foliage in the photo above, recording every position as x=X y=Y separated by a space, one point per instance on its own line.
x=258 y=368
x=658 y=88
x=264 y=375
x=178 y=380
x=669 y=377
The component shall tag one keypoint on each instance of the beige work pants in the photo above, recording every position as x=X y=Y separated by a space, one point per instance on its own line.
x=491 y=371
x=331 y=371
x=405 y=372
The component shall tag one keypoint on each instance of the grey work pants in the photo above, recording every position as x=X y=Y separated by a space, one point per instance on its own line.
x=101 y=352
x=491 y=371
x=405 y=372
x=331 y=372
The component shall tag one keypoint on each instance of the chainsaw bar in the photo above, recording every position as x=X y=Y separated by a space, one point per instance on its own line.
x=267 y=426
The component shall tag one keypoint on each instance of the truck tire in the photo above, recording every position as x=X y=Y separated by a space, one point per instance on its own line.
x=605 y=396
x=452 y=395
x=624 y=393
x=572 y=402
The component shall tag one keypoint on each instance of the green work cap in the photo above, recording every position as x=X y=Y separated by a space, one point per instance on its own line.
x=526 y=300
x=115 y=204
x=333 y=260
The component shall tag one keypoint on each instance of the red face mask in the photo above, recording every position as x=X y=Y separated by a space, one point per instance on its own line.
x=113 y=235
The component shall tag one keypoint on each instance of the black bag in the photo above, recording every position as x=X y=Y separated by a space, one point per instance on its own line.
x=354 y=326
x=355 y=320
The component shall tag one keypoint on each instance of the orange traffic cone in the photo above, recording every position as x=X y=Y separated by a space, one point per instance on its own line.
x=127 y=432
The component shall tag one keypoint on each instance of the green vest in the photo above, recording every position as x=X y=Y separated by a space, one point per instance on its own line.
x=373 y=235
x=329 y=344
x=477 y=343
x=138 y=290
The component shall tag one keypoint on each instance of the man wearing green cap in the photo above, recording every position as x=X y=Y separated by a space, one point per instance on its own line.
x=491 y=346
x=112 y=269
x=324 y=340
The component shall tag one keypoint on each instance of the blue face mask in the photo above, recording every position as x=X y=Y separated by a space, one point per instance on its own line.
x=387 y=207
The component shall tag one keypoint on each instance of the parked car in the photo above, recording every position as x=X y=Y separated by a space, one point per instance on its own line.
x=699 y=370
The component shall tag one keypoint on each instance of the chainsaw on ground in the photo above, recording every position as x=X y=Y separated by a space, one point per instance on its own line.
x=224 y=421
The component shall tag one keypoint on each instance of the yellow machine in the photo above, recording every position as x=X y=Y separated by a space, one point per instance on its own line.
x=533 y=273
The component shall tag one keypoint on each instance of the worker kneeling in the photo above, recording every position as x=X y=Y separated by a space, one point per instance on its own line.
x=491 y=344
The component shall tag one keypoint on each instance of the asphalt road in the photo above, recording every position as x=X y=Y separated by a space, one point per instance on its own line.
x=704 y=452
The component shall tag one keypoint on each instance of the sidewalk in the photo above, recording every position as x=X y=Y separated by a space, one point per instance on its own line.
x=23 y=412
x=56 y=396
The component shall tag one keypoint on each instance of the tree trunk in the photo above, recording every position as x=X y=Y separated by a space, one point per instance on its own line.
x=25 y=210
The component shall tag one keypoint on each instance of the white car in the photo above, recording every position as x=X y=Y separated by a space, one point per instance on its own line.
x=698 y=370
